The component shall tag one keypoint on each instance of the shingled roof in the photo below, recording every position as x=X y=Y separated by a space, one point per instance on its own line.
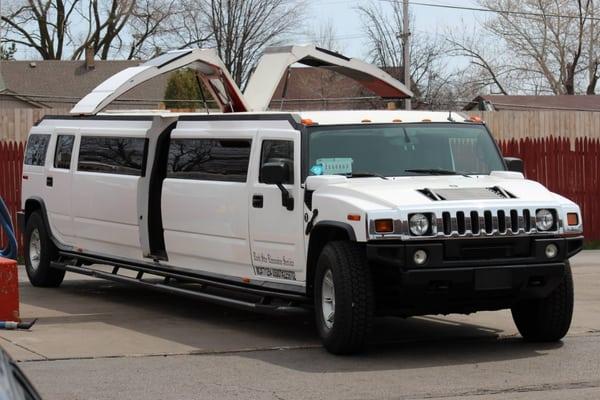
x=60 y=84
x=321 y=89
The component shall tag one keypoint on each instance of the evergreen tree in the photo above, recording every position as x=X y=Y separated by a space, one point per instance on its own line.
x=182 y=86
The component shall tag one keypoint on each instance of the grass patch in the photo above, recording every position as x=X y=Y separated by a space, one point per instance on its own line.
x=592 y=245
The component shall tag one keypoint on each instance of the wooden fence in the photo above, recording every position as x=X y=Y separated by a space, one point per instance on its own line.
x=11 y=168
x=569 y=168
x=15 y=123
x=505 y=125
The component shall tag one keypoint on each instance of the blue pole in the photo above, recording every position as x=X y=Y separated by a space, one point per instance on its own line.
x=6 y=225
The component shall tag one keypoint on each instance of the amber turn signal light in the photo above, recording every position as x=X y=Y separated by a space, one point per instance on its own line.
x=353 y=217
x=572 y=219
x=384 y=226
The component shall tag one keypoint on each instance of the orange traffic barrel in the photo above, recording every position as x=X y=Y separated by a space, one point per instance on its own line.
x=9 y=290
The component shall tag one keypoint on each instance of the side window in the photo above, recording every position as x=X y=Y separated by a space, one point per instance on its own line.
x=37 y=145
x=64 y=149
x=112 y=155
x=209 y=159
x=278 y=150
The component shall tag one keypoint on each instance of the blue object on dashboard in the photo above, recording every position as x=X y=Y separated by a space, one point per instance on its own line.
x=6 y=225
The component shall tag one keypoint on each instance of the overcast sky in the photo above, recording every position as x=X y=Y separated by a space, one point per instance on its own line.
x=348 y=27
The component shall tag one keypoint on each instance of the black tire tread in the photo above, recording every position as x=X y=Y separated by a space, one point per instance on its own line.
x=353 y=320
x=45 y=275
x=548 y=319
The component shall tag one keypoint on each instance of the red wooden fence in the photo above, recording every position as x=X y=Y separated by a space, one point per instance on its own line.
x=572 y=172
x=11 y=167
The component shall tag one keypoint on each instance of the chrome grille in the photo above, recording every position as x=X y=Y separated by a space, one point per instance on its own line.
x=486 y=222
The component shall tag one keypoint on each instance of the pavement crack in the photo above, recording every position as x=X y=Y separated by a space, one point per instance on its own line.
x=44 y=358
x=546 y=387
x=189 y=353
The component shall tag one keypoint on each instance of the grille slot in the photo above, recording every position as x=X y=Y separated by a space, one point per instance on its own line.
x=514 y=221
x=501 y=221
x=460 y=221
x=488 y=222
x=474 y=222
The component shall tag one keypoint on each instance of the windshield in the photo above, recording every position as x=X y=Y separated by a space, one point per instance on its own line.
x=402 y=150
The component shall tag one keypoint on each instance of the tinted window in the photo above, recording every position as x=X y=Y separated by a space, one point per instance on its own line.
x=278 y=151
x=209 y=159
x=395 y=149
x=112 y=155
x=37 y=145
x=64 y=149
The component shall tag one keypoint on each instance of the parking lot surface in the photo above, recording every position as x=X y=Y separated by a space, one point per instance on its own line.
x=102 y=340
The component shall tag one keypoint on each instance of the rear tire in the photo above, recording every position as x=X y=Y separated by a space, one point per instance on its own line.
x=343 y=298
x=548 y=319
x=39 y=252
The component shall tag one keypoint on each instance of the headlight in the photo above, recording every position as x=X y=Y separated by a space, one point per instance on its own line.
x=419 y=224
x=544 y=220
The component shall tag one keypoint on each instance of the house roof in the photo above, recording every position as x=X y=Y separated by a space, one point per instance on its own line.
x=321 y=89
x=60 y=84
x=524 y=103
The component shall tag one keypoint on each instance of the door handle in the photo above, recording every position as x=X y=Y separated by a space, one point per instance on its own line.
x=257 y=201
x=49 y=181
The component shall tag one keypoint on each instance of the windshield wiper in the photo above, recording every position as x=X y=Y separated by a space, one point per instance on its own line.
x=366 y=175
x=436 y=171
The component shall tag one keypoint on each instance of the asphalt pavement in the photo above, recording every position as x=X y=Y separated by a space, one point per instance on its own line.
x=102 y=340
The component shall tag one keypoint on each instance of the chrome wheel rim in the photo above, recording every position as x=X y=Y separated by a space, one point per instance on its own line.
x=35 y=249
x=328 y=299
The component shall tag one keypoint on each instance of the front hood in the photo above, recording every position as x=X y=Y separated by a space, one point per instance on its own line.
x=375 y=193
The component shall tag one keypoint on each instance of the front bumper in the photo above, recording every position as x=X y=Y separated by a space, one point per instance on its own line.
x=466 y=275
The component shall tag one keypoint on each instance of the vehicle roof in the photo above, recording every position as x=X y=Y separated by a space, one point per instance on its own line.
x=318 y=117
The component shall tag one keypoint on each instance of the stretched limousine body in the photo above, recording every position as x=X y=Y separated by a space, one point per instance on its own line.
x=352 y=213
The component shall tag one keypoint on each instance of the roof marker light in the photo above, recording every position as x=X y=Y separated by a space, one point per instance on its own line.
x=476 y=119
x=307 y=122
x=366 y=120
x=426 y=120
x=397 y=120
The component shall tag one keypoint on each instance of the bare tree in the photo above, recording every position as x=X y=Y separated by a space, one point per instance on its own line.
x=429 y=71
x=325 y=35
x=548 y=46
x=241 y=29
x=58 y=29
x=40 y=25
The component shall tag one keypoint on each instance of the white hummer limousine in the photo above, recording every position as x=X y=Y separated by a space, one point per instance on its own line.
x=354 y=214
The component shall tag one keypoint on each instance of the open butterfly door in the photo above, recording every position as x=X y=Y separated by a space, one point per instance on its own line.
x=207 y=64
x=276 y=60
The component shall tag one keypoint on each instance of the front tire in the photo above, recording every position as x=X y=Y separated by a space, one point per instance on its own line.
x=548 y=319
x=39 y=252
x=343 y=294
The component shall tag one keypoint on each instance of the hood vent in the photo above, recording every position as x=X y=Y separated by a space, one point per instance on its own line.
x=489 y=193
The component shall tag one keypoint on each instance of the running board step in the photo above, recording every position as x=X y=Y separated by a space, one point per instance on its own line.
x=167 y=287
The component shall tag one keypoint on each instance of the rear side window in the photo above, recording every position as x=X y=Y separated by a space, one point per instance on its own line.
x=209 y=159
x=112 y=155
x=278 y=151
x=64 y=150
x=37 y=145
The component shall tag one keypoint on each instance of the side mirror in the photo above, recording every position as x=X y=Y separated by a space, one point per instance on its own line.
x=275 y=173
x=514 y=164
